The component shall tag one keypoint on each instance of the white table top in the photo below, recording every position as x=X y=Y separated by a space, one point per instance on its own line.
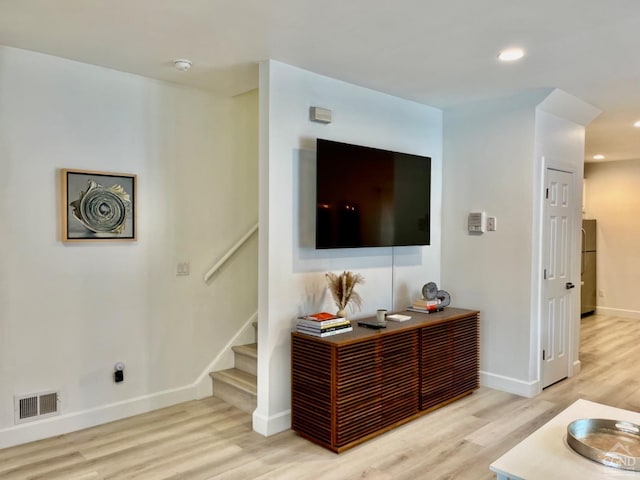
x=546 y=455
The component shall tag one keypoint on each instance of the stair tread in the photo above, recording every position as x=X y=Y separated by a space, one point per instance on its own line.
x=251 y=349
x=242 y=380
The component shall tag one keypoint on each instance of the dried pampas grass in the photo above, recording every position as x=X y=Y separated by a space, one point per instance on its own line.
x=342 y=289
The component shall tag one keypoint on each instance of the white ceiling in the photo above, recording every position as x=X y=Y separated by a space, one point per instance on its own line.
x=436 y=52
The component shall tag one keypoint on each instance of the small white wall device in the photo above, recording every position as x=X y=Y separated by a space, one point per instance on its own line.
x=476 y=222
x=320 y=115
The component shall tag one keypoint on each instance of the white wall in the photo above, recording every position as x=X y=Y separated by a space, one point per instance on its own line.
x=493 y=162
x=291 y=270
x=612 y=199
x=70 y=311
x=489 y=166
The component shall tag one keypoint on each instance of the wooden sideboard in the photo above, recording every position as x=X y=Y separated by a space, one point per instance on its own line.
x=348 y=388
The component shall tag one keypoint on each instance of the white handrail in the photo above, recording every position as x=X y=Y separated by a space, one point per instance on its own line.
x=231 y=251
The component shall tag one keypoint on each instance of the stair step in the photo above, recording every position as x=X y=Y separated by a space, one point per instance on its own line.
x=242 y=380
x=246 y=358
x=236 y=387
x=250 y=350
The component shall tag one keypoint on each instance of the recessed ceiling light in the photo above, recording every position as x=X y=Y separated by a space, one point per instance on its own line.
x=637 y=124
x=182 y=64
x=511 y=54
x=598 y=157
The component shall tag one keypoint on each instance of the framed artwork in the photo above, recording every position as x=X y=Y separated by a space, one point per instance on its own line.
x=98 y=206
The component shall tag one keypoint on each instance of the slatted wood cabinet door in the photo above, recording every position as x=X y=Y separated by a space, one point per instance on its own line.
x=466 y=356
x=400 y=377
x=358 y=391
x=351 y=387
x=312 y=388
x=450 y=361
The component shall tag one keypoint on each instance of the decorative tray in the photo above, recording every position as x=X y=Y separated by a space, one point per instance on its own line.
x=614 y=443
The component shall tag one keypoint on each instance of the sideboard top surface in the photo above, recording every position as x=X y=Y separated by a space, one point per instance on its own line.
x=418 y=320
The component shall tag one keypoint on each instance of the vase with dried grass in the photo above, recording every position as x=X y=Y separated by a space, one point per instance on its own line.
x=342 y=290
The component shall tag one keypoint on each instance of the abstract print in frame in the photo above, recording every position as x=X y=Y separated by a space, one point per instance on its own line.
x=98 y=206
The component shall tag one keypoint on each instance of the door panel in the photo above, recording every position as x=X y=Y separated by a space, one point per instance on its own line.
x=557 y=290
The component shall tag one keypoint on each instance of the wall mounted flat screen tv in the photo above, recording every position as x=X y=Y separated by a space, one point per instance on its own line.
x=367 y=197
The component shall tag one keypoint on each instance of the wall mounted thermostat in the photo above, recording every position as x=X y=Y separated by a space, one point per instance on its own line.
x=476 y=222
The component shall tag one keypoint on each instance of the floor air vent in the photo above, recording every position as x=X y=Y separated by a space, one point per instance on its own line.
x=36 y=406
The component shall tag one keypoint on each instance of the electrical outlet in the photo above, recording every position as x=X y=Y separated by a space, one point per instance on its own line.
x=492 y=224
x=118 y=372
x=601 y=293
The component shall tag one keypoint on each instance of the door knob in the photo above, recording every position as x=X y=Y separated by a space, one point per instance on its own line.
x=569 y=285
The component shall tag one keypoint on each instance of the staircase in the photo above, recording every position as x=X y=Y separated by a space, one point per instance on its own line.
x=238 y=386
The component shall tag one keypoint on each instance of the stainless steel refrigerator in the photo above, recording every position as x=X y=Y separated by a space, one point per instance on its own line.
x=588 y=268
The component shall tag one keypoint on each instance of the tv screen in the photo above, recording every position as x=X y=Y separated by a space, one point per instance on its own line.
x=367 y=197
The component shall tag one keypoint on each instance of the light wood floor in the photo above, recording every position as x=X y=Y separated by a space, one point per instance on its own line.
x=209 y=439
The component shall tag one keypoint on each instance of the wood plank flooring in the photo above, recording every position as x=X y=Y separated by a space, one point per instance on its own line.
x=209 y=439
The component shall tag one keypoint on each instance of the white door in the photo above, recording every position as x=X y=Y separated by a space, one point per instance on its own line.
x=558 y=286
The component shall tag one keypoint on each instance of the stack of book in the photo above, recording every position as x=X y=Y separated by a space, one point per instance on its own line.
x=423 y=305
x=323 y=324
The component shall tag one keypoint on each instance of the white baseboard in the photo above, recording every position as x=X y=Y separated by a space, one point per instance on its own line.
x=510 y=385
x=65 y=423
x=618 y=312
x=576 y=367
x=267 y=426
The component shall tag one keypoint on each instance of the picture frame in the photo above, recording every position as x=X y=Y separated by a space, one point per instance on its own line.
x=98 y=206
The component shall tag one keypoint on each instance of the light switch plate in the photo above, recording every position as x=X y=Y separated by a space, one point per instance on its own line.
x=182 y=269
